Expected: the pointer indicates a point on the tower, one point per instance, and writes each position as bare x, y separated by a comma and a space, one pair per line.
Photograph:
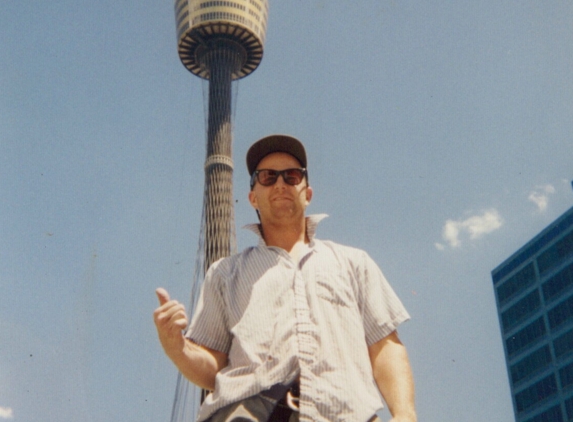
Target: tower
219, 41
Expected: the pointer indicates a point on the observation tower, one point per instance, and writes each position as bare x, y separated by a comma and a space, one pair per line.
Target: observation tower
219, 41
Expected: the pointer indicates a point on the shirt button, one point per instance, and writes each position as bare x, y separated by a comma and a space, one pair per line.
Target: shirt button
269, 358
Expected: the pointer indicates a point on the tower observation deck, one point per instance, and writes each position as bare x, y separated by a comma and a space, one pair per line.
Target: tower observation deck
203, 25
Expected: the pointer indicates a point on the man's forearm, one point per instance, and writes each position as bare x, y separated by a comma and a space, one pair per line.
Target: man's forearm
199, 364
393, 376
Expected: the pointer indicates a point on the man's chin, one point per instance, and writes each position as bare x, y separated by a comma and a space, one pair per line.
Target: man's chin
286, 212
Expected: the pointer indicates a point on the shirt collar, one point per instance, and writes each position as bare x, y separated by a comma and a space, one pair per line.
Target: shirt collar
311, 225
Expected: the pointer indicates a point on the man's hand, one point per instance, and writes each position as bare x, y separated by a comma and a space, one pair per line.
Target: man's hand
170, 320
197, 363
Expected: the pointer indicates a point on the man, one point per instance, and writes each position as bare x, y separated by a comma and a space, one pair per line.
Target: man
294, 328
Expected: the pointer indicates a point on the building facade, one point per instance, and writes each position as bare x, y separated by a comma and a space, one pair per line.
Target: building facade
534, 294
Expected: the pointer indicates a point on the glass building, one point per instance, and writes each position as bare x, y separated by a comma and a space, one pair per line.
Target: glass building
534, 294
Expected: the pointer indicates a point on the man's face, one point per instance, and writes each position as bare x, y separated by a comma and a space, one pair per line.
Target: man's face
280, 201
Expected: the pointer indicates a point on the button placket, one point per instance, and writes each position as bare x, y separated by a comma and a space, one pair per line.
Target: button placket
306, 336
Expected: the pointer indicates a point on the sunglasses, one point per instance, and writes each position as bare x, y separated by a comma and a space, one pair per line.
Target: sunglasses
268, 177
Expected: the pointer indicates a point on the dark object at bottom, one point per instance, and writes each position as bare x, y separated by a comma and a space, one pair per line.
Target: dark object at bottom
282, 413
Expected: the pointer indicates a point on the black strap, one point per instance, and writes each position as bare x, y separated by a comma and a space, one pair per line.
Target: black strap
276, 392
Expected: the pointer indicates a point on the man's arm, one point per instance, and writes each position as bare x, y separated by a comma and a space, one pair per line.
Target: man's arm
197, 363
393, 376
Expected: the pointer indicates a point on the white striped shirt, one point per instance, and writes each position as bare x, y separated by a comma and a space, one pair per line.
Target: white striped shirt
277, 319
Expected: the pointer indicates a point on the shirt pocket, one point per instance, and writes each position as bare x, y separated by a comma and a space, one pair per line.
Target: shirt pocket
335, 287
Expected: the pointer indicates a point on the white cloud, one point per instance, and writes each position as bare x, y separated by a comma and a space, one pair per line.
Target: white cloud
6, 413
474, 227
451, 232
540, 196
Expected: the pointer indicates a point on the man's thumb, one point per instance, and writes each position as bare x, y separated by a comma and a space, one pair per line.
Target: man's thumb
162, 295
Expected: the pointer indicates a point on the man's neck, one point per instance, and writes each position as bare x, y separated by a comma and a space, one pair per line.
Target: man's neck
287, 237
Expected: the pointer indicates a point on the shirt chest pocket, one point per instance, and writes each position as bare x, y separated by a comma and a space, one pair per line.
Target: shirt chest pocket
335, 287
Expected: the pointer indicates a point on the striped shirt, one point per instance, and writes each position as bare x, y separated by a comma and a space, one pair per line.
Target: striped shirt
278, 320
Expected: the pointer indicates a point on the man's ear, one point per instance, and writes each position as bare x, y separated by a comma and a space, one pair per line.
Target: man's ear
308, 194
253, 200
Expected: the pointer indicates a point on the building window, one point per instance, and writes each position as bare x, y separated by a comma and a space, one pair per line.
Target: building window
531, 364
208, 4
526, 337
563, 344
180, 5
552, 415
561, 313
539, 391
221, 16
516, 284
557, 284
182, 17
569, 408
566, 376
556, 254
521, 310
254, 3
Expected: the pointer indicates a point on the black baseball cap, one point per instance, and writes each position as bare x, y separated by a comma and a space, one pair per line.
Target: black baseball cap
275, 143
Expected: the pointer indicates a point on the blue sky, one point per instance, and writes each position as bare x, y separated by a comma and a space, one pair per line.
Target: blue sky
439, 137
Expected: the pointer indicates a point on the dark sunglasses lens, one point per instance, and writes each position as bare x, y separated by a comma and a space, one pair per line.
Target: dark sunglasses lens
267, 177
293, 176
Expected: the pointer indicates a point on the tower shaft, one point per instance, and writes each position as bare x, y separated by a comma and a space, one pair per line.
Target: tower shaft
221, 60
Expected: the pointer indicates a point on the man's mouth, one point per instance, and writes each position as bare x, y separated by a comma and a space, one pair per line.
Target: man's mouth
282, 198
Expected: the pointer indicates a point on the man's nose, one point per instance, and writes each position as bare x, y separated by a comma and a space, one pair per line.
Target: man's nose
281, 181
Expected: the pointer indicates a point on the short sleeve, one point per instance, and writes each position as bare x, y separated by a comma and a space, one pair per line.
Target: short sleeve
209, 325
381, 308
